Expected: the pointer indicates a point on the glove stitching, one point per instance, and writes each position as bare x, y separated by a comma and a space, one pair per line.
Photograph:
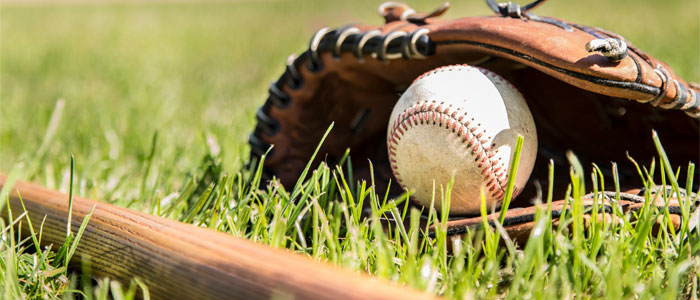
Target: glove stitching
294, 80
632, 86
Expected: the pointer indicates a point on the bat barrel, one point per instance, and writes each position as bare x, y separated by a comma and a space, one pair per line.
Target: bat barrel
183, 261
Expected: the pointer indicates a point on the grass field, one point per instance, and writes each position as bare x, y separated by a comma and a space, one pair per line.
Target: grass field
150, 98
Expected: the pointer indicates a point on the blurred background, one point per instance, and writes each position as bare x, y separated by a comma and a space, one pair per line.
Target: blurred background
194, 73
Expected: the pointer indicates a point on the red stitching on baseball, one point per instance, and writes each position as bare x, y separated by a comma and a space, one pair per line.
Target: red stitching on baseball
494, 174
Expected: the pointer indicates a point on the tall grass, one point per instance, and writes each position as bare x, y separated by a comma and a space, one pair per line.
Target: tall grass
350, 224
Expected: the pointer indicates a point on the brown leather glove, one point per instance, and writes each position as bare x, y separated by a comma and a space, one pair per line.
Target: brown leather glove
519, 222
589, 90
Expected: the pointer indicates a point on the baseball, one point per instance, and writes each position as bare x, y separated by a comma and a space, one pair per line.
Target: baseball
460, 121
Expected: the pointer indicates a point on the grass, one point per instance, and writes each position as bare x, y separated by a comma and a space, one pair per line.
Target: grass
157, 100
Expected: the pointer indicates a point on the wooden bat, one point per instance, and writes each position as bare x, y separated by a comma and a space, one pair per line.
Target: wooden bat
183, 261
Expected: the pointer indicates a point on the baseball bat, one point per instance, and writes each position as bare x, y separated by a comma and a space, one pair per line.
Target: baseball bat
182, 261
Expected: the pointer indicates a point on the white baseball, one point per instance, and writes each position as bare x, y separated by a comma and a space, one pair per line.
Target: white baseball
460, 121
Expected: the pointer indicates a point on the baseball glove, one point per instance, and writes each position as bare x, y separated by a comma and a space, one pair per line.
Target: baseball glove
589, 90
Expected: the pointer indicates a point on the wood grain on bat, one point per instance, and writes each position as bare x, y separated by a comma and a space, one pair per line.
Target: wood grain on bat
183, 261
